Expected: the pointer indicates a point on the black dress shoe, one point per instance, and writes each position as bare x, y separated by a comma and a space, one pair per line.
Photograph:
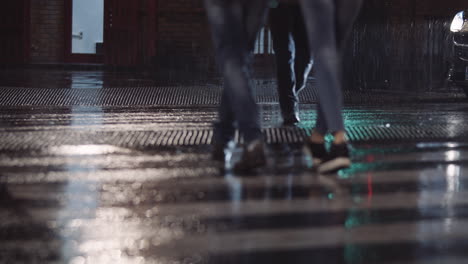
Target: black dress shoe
253, 157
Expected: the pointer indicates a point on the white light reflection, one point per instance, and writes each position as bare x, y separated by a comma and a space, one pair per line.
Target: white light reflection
452, 155
452, 176
452, 145
447, 203
438, 145
74, 206
235, 191
80, 199
70, 150
457, 22
89, 232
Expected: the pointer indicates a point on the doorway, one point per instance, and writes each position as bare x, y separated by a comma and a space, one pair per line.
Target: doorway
85, 31
113, 32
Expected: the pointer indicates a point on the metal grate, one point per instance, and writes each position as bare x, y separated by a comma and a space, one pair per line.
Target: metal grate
176, 96
191, 137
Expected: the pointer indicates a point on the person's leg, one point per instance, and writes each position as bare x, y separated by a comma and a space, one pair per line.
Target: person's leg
315, 145
253, 155
320, 130
319, 16
281, 25
303, 61
233, 28
346, 13
224, 129
318, 134
229, 32
254, 18
327, 161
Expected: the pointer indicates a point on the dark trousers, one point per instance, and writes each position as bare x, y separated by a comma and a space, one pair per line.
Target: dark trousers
234, 25
328, 23
293, 58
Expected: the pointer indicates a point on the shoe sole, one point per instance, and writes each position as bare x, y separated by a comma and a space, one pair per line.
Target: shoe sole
334, 165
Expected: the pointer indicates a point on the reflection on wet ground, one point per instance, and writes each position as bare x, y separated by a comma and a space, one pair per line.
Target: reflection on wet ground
88, 77
58, 78
134, 184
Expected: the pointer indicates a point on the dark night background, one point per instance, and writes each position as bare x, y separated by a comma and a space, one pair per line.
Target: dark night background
396, 44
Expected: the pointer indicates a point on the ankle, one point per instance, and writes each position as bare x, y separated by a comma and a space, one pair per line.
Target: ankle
317, 138
339, 138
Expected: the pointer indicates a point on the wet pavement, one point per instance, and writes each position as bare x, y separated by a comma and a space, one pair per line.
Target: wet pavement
121, 174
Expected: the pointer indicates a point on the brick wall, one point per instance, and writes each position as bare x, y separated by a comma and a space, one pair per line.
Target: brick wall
47, 31
184, 40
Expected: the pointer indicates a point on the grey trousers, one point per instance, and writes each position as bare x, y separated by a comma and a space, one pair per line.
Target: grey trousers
234, 25
328, 24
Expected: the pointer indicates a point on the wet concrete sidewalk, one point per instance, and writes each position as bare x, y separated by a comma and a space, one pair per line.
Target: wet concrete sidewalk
124, 176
